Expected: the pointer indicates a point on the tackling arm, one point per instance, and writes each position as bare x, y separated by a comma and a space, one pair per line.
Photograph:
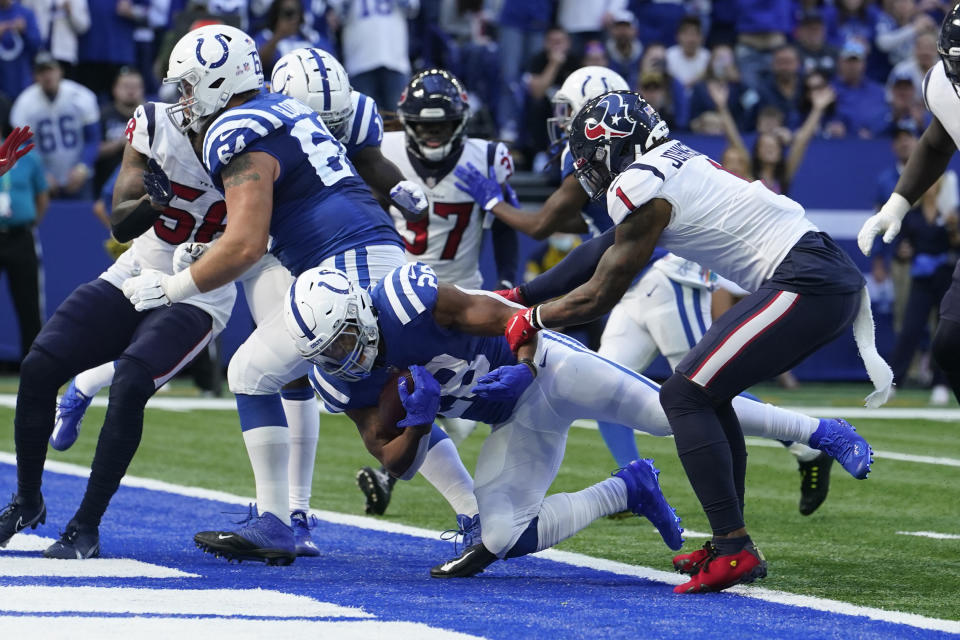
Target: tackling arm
132, 212
636, 238
248, 191
561, 212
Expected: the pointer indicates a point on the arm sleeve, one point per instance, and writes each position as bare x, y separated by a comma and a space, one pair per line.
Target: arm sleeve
506, 251
570, 272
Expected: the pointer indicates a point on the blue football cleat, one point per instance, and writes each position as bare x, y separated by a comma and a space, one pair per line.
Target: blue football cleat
76, 543
66, 426
840, 439
467, 533
302, 524
262, 538
645, 498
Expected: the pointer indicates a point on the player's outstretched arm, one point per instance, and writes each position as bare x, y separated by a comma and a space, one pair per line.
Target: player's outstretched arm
560, 213
636, 238
478, 313
569, 273
926, 164
386, 181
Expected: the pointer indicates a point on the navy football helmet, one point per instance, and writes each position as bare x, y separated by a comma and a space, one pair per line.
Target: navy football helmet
434, 97
948, 45
608, 133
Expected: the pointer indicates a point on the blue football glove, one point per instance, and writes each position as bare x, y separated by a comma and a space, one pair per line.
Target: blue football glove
157, 184
505, 383
409, 197
422, 404
484, 190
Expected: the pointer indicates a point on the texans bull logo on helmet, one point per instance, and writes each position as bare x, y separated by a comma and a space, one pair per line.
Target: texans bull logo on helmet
615, 122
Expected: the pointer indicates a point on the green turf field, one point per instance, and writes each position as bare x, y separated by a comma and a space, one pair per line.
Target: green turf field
849, 550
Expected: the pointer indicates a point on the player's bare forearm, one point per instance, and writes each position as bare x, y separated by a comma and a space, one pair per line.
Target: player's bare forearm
927, 162
377, 171
395, 448
636, 238
561, 212
132, 212
480, 314
248, 191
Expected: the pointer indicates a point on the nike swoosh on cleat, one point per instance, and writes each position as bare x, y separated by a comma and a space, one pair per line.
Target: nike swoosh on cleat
19, 525
450, 565
220, 536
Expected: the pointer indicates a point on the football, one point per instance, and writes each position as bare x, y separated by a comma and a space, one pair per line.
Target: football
391, 409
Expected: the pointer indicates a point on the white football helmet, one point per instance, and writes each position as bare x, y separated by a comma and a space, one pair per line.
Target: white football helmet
579, 87
331, 320
211, 65
317, 79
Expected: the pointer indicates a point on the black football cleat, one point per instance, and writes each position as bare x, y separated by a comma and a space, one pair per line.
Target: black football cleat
18, 515
76, 543
472, 561
377, 488
814, 482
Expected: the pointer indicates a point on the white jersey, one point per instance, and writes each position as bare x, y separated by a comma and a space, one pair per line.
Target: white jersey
739, 229
449, 238
196, 212
685, 272
57, 124
375, 34
942, 101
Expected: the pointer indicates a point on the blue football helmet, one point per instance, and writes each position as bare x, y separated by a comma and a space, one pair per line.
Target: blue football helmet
948, 45
434, 96
607, 135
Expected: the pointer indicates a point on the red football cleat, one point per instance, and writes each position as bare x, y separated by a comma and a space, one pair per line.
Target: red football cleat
690, 563
721, 572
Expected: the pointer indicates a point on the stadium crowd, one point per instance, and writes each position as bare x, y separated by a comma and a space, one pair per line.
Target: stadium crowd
780, 72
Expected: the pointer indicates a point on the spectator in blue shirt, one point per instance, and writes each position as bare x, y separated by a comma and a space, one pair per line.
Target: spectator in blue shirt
624, 50
861, 103
23, 201
108, 45
19, 43
284, 32
658, 20
856, 20
762, 27
522, 26
782, 88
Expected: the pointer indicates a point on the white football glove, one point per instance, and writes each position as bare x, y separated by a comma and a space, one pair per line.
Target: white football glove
410, 199
886, 221
186, 254
147, 290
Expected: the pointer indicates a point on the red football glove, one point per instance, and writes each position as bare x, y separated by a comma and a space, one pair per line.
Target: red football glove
520, 329
513, 295
10, 150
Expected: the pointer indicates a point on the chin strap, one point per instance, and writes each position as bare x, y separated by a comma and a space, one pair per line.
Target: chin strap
879, 371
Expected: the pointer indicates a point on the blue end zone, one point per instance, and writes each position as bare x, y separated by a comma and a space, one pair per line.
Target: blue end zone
387, 575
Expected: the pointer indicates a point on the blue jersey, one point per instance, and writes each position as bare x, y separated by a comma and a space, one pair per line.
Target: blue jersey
404, 301
321, 207
365, 127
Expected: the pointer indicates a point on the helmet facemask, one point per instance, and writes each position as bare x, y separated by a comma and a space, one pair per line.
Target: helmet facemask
351, 352
424, 144
187, 113
562, 116
594, 174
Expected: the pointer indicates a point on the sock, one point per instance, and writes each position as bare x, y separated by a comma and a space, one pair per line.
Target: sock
803, 452
92, 380
443, 469
738, 448
730, 546
563, 514
768, 421
621, 441
267, 439
303, 417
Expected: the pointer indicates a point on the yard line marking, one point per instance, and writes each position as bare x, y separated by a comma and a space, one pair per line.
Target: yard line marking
576, 559
31, 567
161, 628
930, 534
260, 603
28, 542
9, 400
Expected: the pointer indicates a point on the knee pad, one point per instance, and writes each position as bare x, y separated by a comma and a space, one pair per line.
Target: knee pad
132, 380
946, 345
677, 393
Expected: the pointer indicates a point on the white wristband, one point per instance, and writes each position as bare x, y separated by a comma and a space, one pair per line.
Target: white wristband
180, 286
897, 205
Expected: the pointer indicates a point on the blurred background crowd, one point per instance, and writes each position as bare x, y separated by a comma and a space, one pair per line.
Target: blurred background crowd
776, 73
